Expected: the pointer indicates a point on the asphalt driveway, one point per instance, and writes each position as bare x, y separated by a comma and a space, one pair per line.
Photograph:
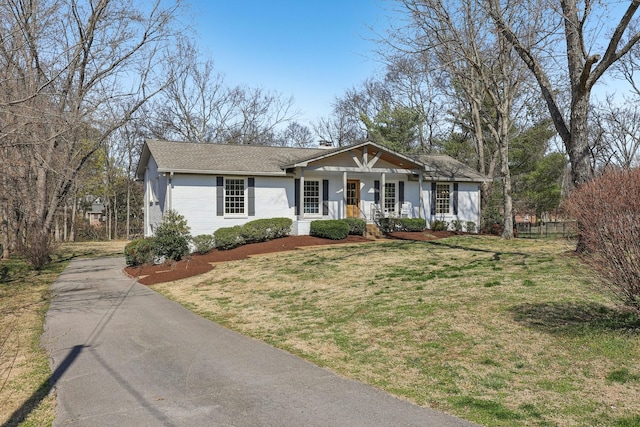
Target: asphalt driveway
124, 355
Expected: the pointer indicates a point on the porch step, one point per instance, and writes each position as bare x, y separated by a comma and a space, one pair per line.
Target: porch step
373, 232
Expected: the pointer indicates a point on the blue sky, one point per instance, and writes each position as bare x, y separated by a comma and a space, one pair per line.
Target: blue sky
312, 50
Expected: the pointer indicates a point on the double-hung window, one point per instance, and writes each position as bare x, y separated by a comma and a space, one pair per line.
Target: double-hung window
443, 199
235, 200
311, 197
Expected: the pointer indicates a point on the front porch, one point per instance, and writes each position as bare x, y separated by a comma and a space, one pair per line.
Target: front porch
364, 182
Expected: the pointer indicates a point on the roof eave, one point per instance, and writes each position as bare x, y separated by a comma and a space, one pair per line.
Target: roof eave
222, 172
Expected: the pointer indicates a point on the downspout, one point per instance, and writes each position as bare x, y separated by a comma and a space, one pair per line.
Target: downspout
169, 185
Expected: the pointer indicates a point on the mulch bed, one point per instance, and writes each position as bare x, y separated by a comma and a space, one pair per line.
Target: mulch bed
198, 264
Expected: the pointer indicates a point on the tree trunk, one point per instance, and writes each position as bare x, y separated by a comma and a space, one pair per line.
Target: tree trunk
578, 146
505, 172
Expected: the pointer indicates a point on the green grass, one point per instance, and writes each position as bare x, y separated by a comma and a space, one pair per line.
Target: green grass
503, 333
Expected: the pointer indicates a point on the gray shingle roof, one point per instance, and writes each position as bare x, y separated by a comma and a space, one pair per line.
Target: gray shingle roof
441, 167
221, 158
187, 157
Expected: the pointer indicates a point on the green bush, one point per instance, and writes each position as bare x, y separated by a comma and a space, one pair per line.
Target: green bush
139, 251
456, 224
334, 229
438, 225
260, 230
412, 224
470, 227
172, 237
280, 227
229, 237
204, 243
357, 226
388, 225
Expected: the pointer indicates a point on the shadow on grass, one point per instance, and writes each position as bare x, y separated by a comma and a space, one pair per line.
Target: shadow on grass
496, 254
21, 414
574, 318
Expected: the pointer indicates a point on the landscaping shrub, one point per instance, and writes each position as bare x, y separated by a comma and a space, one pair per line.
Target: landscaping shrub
172, 237
203, 243
388, 225
412, 224
260, 230
334, 229
280, 227
229, 237
607, 213
438, 225
139, 251
470, 227
456, 224
38, 248
357, 226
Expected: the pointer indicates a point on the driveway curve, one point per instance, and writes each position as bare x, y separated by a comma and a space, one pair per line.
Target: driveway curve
124, 355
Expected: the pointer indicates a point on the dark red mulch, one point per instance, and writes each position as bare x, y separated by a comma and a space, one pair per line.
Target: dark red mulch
198, 264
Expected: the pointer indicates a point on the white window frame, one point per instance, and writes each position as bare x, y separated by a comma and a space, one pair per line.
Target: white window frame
387, 200
309, 200
440, 200
245, 196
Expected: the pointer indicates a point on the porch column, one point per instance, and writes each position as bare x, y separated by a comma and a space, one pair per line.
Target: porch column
344, 194
301, 217
382, 192
421, 196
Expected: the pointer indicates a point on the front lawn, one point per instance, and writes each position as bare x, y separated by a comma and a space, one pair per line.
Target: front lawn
503, 333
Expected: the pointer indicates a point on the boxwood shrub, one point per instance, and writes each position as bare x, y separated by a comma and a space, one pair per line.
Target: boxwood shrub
413, 224
260, 230
229, 237
334, 229
203, 243
388, 225
439, 225
357, 226
139, 251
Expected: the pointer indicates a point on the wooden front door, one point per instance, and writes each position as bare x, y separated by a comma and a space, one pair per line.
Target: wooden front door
353, 198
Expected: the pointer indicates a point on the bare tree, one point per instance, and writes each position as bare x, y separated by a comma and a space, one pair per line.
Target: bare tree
414, 81
344, 126
197, 105
573, 24
618, 128
481, 67
296, 135
66, 63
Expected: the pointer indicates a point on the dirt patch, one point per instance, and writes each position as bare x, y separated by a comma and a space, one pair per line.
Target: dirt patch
198, 264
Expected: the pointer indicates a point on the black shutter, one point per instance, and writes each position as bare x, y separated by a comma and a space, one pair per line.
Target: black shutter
455, 198
433, 198
401, 193
252, 196
325, 197
219, 196
376, 192
296, 195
